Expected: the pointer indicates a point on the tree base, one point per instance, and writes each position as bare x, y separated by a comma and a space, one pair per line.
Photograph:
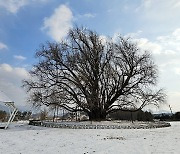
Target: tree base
97, 116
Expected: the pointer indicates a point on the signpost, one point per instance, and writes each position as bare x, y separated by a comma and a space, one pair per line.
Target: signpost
10, 105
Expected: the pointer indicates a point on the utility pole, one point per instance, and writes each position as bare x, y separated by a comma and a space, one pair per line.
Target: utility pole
170, 110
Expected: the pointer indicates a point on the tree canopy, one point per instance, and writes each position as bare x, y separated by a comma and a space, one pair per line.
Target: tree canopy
86, 73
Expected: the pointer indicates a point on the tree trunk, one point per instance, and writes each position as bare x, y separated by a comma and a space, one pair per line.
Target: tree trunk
97, 115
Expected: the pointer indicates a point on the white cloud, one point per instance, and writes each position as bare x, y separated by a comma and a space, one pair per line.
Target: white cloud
162, 45
13, 6
8, 72
134, 35
89, 15
19, 57
3, 46
177, 70
153, 47
174, 62
43, 1
11, 81
59, 23
176, 34
171, 41
5, 68
159, 10
177, 5
169, 52
144, 43
149, 4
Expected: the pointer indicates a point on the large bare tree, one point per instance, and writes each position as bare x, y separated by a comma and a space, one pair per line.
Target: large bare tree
86, 73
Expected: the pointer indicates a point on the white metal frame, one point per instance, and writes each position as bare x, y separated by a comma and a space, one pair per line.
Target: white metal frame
12, 110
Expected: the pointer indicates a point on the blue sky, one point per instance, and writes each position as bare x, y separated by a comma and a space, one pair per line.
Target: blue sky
25, 24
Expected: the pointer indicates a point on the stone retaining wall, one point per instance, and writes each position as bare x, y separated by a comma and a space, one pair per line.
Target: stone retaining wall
91, 126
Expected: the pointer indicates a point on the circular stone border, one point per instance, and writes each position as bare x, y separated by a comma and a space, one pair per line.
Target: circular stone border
71, 125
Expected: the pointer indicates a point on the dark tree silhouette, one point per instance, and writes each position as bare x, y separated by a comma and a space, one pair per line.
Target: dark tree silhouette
85, 73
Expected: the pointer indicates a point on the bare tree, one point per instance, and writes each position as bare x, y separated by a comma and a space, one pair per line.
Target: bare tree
85, 73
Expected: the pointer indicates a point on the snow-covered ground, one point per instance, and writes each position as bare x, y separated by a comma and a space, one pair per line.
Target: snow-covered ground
21, 138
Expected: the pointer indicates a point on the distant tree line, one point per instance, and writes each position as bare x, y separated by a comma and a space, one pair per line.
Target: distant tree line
24, 115
176, 116
168, 117
128, 115
144, 116
3, 115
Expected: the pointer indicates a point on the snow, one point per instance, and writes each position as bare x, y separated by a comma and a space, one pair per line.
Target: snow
25, 139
